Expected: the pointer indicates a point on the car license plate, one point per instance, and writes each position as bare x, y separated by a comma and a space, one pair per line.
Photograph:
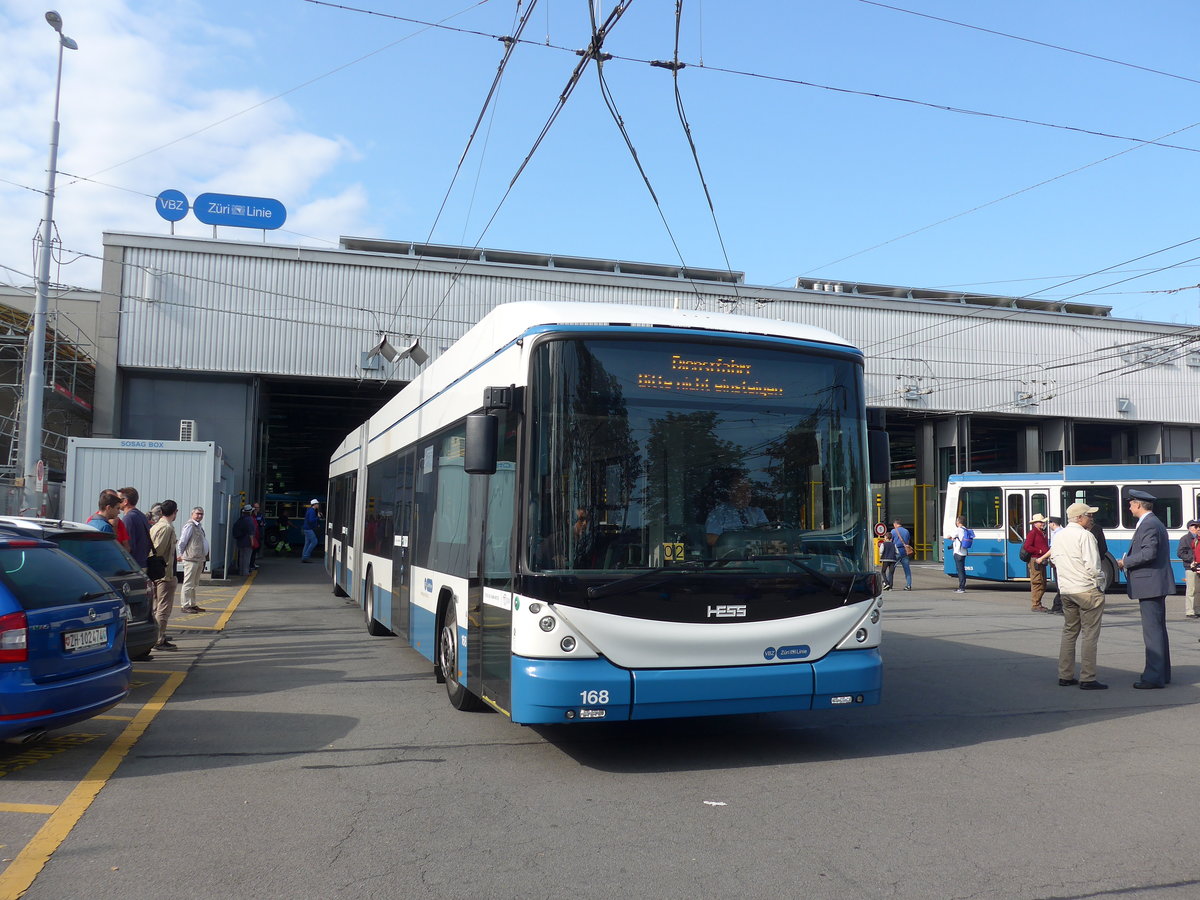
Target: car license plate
81, 640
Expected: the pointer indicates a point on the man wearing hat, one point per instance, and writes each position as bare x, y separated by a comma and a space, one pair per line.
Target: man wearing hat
1077, 564
1147, 567
1188, 545
1037, 546
312, 524
245, 533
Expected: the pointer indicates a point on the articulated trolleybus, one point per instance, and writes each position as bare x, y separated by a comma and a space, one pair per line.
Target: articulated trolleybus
998, 507
585, 511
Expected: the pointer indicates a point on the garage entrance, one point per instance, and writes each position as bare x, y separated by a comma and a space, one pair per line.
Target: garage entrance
301, 422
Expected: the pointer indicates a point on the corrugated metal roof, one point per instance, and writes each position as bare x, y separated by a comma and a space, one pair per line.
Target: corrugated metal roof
225, 306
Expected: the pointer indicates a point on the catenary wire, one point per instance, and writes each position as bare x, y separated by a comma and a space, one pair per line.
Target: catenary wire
510, 44
585, 56
675, 66
1016, 37
282, 94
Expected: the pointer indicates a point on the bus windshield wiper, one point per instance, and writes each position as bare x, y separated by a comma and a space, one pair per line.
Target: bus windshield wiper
648, 578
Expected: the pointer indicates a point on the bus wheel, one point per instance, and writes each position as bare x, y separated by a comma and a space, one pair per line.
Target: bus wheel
374, 629
460, 697
1110, 576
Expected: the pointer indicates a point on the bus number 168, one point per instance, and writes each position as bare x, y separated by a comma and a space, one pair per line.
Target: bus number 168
591, 698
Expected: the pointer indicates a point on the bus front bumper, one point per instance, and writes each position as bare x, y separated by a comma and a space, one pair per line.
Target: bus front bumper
558, 691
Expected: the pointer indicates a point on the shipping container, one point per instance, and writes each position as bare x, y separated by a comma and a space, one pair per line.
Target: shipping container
192, 473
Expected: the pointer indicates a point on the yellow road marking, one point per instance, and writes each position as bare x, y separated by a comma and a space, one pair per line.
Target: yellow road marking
43, 808
156, 671
236, 601
17, 878
114, 718
223, 618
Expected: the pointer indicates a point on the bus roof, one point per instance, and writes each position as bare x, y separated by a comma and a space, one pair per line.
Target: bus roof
510, 320
1124, 472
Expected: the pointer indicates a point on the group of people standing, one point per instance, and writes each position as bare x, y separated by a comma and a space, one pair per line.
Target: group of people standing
1075, 555
152, 542
1075, 551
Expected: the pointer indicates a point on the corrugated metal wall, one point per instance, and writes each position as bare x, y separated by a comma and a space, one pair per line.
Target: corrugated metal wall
234, 307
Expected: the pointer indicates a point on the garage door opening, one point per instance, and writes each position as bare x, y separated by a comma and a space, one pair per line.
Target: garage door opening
301, 423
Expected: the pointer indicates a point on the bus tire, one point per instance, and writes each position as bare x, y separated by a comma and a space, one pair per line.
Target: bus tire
1110, 575
374, 629
460, 697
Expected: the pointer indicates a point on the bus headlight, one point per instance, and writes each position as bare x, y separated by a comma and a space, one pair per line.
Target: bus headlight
875, 616
567, 644
547, 623
860, 635
535, 608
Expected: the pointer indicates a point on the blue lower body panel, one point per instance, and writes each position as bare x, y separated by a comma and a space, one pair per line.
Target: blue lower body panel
848, 678
422, 631
558, 691
544, 691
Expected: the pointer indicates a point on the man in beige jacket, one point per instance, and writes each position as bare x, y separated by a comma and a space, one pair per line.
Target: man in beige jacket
162, 545
1076, 559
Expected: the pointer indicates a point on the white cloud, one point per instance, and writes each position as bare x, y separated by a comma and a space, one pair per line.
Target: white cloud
124, 93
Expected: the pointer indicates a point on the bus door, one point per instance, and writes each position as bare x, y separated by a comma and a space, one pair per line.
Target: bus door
401, 551
346, 502
496, 570
1020, 505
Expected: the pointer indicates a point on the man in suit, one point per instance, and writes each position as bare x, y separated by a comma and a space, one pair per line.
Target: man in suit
1147, 568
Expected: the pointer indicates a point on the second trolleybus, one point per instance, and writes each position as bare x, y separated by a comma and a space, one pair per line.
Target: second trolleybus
586, 511
999, 508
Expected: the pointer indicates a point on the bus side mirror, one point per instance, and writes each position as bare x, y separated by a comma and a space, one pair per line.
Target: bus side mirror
879, 456
482, 433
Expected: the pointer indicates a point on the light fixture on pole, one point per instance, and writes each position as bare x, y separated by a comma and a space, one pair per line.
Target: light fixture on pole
35, 378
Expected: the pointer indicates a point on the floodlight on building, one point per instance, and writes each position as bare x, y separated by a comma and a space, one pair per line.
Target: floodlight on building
385, 349
415, 352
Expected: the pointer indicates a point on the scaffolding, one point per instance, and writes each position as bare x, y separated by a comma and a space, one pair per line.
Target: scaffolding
70, 374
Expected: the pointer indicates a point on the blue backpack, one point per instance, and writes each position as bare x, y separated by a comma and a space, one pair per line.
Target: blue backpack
968, 538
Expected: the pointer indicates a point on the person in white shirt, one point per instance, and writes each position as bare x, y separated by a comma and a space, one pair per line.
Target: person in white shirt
192, 551
960, 555
1076, 560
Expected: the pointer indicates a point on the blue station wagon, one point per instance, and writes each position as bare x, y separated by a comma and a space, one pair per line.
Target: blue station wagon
62, 640
100, 551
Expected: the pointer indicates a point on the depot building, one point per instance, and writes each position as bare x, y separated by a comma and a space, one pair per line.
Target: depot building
271, 351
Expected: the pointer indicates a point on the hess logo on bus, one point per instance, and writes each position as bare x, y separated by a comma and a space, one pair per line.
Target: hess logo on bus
727, 612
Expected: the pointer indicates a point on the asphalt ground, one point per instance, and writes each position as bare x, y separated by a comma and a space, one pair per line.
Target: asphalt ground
290, 755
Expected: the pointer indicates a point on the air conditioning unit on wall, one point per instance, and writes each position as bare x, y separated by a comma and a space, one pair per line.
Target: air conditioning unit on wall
187, 429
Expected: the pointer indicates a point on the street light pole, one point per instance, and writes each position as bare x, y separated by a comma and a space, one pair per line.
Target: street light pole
35, 378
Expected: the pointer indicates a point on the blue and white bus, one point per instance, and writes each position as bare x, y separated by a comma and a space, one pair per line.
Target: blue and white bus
998, 507
586, 511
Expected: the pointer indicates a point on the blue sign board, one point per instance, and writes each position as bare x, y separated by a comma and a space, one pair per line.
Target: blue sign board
171, 205
240, 212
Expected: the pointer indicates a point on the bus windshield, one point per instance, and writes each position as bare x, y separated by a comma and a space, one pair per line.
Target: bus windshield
668, 454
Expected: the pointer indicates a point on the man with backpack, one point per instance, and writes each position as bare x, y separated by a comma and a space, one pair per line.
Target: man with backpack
902, 539
963, 538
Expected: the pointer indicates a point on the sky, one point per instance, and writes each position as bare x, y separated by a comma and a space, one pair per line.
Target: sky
1011, 148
